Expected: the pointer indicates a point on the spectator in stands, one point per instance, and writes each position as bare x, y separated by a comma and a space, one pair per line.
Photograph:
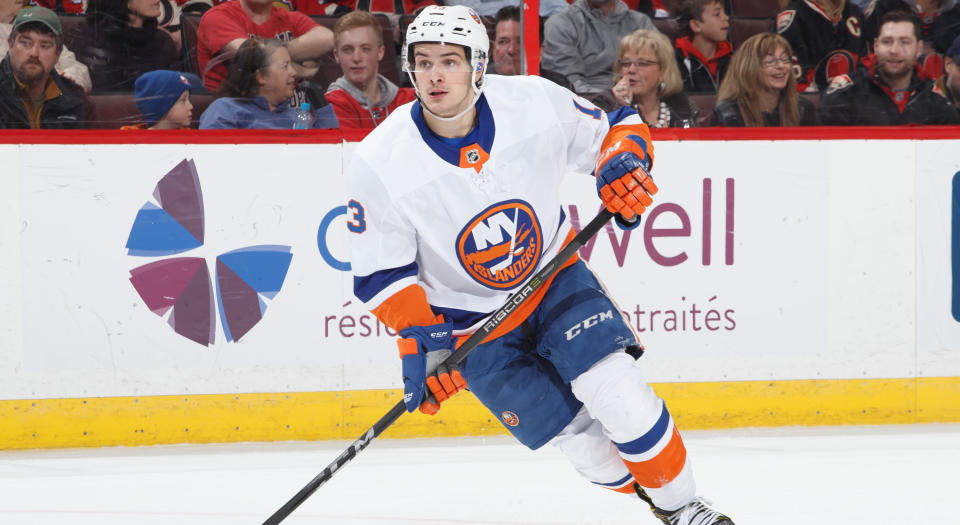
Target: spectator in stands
163, 98
32, 94
256, 93
228, 25
826, 37
648, 80
362, 97
391, 8
67, 66
581, 41
703, 52
888, 90
939, 20
70, 7
121, 41
760, 89
492, 7
949, 83
507, 51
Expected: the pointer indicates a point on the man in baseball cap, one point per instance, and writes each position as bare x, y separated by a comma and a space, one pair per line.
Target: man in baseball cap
32, 93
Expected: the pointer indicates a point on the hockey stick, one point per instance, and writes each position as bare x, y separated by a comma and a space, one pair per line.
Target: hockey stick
493, 321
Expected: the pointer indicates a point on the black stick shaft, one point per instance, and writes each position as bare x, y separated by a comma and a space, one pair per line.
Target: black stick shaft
495, 320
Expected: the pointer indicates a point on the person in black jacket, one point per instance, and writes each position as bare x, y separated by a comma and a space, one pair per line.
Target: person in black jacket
889, 89
121, 41
702, 51
760, 88
32, 94
939, 20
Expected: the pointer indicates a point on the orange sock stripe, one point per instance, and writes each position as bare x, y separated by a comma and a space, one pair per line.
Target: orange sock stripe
626, 489
662, 468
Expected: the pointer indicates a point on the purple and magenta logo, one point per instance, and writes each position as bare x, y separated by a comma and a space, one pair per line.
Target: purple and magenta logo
180, 287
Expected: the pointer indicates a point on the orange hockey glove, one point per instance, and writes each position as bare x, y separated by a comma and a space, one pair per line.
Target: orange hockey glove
623, 180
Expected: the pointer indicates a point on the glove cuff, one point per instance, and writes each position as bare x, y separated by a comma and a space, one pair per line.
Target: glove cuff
625, 224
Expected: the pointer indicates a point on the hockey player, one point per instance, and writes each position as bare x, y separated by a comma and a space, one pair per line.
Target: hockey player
453, 203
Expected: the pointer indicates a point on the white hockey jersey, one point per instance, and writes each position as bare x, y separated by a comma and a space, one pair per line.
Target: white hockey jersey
469, 219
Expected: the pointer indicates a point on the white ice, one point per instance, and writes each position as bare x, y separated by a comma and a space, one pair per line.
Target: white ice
828, 475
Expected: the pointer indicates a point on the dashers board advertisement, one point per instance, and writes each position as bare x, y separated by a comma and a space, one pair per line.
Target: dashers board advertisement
221, 268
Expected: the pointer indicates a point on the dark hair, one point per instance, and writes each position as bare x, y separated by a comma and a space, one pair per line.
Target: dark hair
900, 15
112, 15
241, 81
687, 10
512, 12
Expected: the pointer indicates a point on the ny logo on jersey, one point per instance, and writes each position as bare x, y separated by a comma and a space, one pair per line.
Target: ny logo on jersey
501, 246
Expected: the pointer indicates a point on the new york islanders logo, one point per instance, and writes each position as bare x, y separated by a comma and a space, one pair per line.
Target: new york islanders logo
501, 245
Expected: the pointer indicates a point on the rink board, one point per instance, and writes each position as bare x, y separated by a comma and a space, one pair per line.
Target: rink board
775, 282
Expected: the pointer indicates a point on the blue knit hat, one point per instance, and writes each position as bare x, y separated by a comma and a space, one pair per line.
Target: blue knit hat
157, 91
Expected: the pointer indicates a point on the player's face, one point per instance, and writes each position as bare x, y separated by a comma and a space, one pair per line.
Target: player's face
358, 51
277, 79
714, 23
144, 8
33, 55
897, 49
641, 69
443, 78
181, 114
775, 69
506, 48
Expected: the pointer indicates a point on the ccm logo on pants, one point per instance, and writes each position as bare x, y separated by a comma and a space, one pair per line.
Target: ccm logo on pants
587, 323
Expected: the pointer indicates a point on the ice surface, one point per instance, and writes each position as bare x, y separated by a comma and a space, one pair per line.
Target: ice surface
828, 475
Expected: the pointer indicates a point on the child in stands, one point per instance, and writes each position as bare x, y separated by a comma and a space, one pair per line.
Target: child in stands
163, 97
703, 51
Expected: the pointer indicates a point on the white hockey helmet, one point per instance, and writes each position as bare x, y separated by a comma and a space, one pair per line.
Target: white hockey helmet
454, 24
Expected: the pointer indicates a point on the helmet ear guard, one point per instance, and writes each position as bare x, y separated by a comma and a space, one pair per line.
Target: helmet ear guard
454, 24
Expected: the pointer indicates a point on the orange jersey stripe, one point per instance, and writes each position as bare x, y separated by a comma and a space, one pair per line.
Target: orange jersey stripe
662, 468
408, 307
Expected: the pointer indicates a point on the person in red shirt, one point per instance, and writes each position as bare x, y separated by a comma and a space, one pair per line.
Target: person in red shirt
362, 97
338, 7
227, 25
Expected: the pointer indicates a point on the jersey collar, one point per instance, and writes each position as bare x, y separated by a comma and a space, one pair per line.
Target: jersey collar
451, 150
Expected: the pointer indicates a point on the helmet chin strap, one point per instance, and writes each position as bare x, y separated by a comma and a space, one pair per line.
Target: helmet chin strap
476, 96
